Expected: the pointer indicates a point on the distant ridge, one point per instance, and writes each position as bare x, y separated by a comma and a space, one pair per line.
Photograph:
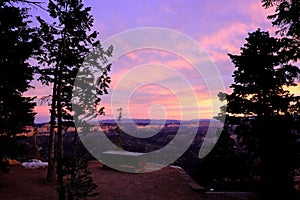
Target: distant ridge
156, 121
145, 121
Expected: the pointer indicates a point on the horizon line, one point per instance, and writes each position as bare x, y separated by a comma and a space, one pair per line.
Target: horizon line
40, 122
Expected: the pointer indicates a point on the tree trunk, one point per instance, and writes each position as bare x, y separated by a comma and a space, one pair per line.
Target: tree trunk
60, 173
51, 163
35, 144
73, 163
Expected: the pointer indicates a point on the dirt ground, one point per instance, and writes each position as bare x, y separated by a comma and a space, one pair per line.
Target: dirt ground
21, 183
168, 183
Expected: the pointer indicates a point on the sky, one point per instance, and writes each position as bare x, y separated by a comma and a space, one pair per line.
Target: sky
157, 83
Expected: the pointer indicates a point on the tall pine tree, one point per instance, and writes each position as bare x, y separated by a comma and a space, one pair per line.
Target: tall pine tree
67, 43
262, 72
19, 42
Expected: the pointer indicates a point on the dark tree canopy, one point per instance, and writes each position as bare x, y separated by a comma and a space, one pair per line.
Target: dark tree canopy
287, 19
19, 42
286, 16
260, 76
263, 71
262, 107
67, 42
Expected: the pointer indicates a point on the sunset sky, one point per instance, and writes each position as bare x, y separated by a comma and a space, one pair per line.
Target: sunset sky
219, 26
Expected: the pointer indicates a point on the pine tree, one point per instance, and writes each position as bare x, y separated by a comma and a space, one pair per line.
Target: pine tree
287, 19
80, 184
19, 42
260, 77
262, 71
67, 44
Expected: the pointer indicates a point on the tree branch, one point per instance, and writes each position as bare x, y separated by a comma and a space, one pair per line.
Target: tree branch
32, 3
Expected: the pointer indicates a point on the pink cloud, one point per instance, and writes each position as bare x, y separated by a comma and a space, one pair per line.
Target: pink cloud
225, 40
259, 16
142, 100
229, 39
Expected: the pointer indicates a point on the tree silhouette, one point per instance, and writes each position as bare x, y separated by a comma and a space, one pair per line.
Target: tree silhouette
221, 165
286, 16
287, 19
260, 77
68, 42
19, 42
262, 72
118, 130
